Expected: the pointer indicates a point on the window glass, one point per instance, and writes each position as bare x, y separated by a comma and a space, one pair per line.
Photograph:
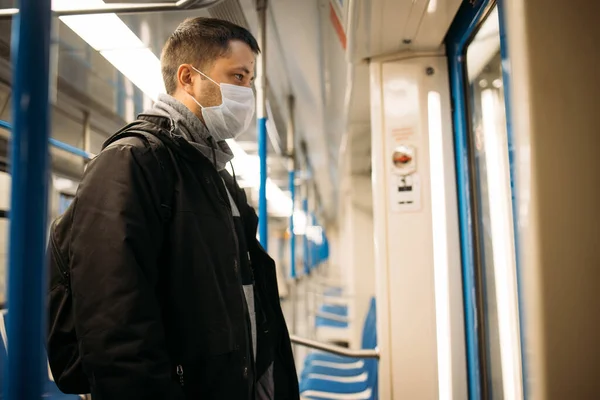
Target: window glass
64, 202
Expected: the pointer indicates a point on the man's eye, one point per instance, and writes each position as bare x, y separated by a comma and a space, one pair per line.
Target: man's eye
239, 77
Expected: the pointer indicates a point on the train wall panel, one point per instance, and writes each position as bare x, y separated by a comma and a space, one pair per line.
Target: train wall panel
553, 51
417, 258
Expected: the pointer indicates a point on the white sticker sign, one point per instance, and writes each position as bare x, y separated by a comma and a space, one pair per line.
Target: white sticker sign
405, 193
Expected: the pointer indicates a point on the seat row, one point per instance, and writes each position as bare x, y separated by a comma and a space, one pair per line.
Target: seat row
331, 377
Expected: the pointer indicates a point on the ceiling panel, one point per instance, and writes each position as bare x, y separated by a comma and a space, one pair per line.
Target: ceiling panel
396, 25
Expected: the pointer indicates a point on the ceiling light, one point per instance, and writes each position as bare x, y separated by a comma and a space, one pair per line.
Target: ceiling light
432, 6
112, 38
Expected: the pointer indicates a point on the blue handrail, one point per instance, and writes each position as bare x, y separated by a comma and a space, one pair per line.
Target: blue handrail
70, 149
305, 246
5, 125
58, 144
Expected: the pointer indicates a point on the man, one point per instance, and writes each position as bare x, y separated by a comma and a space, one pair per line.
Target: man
174, 298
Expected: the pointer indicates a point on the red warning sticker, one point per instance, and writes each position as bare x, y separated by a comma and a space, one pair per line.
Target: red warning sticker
337, 25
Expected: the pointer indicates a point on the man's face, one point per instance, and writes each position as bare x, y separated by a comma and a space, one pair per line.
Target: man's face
235, 68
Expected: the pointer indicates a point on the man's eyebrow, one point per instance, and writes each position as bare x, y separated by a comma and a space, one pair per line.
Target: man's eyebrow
242, 68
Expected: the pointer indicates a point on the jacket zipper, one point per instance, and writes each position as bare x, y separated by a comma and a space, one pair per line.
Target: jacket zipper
237, 246
227, 205
251, 268
180, 375
230, 219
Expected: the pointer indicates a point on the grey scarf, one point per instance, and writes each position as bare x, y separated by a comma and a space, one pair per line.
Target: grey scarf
188, 125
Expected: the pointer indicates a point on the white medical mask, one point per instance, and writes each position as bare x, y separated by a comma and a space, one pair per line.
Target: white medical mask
234, 115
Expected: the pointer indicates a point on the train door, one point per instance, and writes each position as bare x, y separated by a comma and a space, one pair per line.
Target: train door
478, 63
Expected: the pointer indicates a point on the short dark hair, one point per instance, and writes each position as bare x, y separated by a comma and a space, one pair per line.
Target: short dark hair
200, 41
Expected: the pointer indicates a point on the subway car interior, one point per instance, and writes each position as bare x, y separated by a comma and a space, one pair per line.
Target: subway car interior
425, 172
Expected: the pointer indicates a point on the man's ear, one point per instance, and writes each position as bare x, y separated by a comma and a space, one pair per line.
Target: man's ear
185, 77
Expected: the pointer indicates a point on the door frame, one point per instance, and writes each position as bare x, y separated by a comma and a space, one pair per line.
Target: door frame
470, 16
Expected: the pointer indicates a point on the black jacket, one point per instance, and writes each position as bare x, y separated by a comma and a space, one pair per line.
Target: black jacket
159, 306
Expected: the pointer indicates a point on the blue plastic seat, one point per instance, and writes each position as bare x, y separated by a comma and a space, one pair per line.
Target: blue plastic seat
335, 309
329, 376
330, 323
369, 340
323, 369
330, 358
51, 391
362, 386
326, 384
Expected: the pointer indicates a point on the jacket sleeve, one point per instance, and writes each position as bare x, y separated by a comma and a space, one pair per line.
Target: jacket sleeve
117, 232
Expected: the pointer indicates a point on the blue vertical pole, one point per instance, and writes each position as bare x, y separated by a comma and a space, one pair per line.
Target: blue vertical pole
305, 238
29, 196
292, 177
261, 108
291, 142
262, 193
313, 245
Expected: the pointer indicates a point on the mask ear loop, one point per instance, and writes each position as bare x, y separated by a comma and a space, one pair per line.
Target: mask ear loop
196, 101
206, 76
193, 98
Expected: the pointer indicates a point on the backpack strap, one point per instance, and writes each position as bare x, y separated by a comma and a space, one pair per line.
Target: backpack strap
165, 157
